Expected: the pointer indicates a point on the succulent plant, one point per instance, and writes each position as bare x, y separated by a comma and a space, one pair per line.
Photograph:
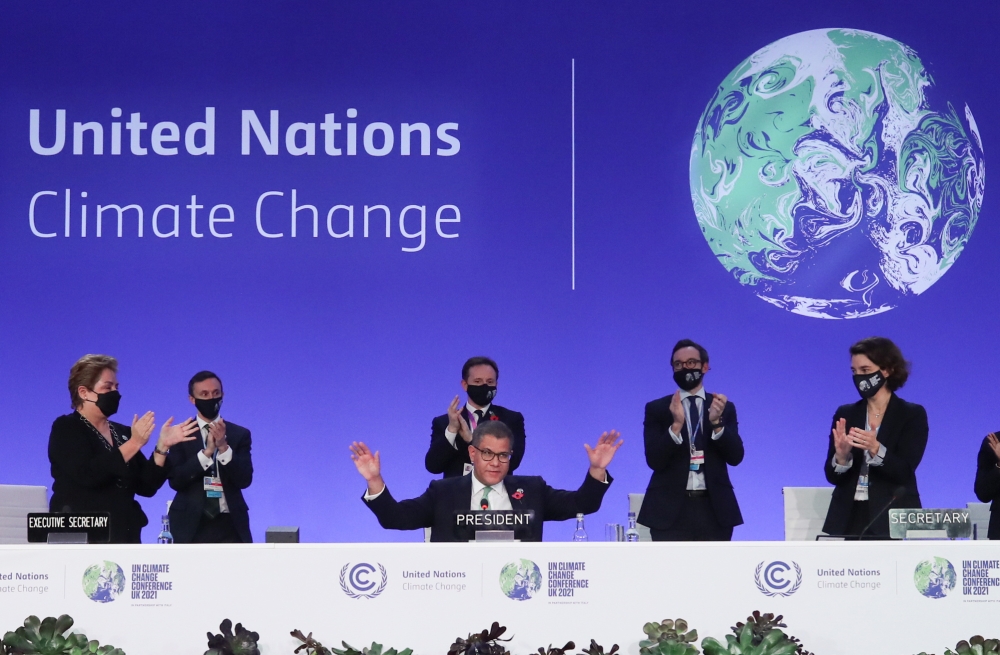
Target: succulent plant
481, 643
597, 649
46, 637
761, 624
772, 642
374, 649
556, 651
309, 645
243, 642
975, 646
668, 637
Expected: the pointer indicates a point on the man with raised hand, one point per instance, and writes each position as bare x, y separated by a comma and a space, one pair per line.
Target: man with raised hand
489, 487
451, 433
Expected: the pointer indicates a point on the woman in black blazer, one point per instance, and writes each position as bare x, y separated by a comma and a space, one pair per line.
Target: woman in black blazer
876, 445
988, 480
98, 465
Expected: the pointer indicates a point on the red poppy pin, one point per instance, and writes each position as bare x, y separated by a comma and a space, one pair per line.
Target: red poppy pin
518, 495
494, 417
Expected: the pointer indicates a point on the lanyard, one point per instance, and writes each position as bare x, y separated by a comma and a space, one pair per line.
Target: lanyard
693, 430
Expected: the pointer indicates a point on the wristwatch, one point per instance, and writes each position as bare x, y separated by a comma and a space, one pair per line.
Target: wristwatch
161, 452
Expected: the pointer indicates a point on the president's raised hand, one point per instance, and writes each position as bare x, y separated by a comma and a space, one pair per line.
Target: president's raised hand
369, 465
602, 453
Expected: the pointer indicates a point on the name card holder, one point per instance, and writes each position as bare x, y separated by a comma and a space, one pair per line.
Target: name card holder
930, 524
495, 535
69, 528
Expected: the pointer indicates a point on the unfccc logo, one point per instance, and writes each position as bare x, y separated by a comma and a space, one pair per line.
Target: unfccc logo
361, 581
775, 579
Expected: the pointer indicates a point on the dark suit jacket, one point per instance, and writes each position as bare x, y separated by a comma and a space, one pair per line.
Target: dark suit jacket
671, 463
988, 486
87, 477
187, 479
904, 434
442, 457
436, 507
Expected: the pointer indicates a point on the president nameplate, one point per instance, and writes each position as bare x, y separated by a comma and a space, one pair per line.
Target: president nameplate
929, 524
494, 519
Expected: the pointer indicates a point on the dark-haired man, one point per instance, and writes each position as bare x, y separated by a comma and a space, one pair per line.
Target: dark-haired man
691, 438
209, 474
451, 433
489, 487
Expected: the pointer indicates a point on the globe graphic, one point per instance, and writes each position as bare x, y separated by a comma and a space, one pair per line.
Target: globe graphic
935, 577
520, 579
103, 582
830, 179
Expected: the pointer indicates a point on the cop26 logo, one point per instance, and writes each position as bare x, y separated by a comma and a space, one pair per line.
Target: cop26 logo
775, 579
359, 582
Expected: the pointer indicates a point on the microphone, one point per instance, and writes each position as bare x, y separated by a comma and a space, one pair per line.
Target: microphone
484, 504
897, 493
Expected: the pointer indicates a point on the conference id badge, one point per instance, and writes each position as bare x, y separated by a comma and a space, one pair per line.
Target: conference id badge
697, 459
213, 487
466, 469
863, 483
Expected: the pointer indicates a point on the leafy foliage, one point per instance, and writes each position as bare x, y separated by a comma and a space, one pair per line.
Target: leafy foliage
975, 646
668, 637
309, 645
243, 642
313, 647
761, 624
597, 649
557, 651
772, 642
482, 643
47, 637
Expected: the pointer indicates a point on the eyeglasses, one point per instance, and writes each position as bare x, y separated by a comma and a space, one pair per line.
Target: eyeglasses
488, 455
689, 363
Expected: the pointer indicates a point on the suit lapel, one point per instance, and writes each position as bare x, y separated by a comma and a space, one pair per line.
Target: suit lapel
891, 423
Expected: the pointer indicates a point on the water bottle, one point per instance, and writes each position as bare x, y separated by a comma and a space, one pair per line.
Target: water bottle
165, 536
579, 534
632, 533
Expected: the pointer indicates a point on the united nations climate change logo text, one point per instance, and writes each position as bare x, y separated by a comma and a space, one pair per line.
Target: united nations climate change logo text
361, 580
776, 578
831, 178
935, 577
104, 582
520, 579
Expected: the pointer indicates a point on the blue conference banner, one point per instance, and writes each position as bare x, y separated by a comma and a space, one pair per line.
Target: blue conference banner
333, 205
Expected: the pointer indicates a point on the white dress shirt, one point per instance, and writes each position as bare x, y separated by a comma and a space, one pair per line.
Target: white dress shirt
696, 479
221, 458
450, 436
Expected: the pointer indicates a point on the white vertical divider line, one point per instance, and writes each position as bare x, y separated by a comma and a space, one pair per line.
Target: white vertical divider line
573, 166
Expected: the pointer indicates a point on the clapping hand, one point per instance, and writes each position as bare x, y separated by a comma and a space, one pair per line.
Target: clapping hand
171, 435
603, 452
991, 438
217, 435
865, 440
842, 444
677, 411
715, 409
142, 427
457, 423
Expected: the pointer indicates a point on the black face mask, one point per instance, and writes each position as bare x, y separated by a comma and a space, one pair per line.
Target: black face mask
688, 378
108, 402
482, 394
209, 407
868, 384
